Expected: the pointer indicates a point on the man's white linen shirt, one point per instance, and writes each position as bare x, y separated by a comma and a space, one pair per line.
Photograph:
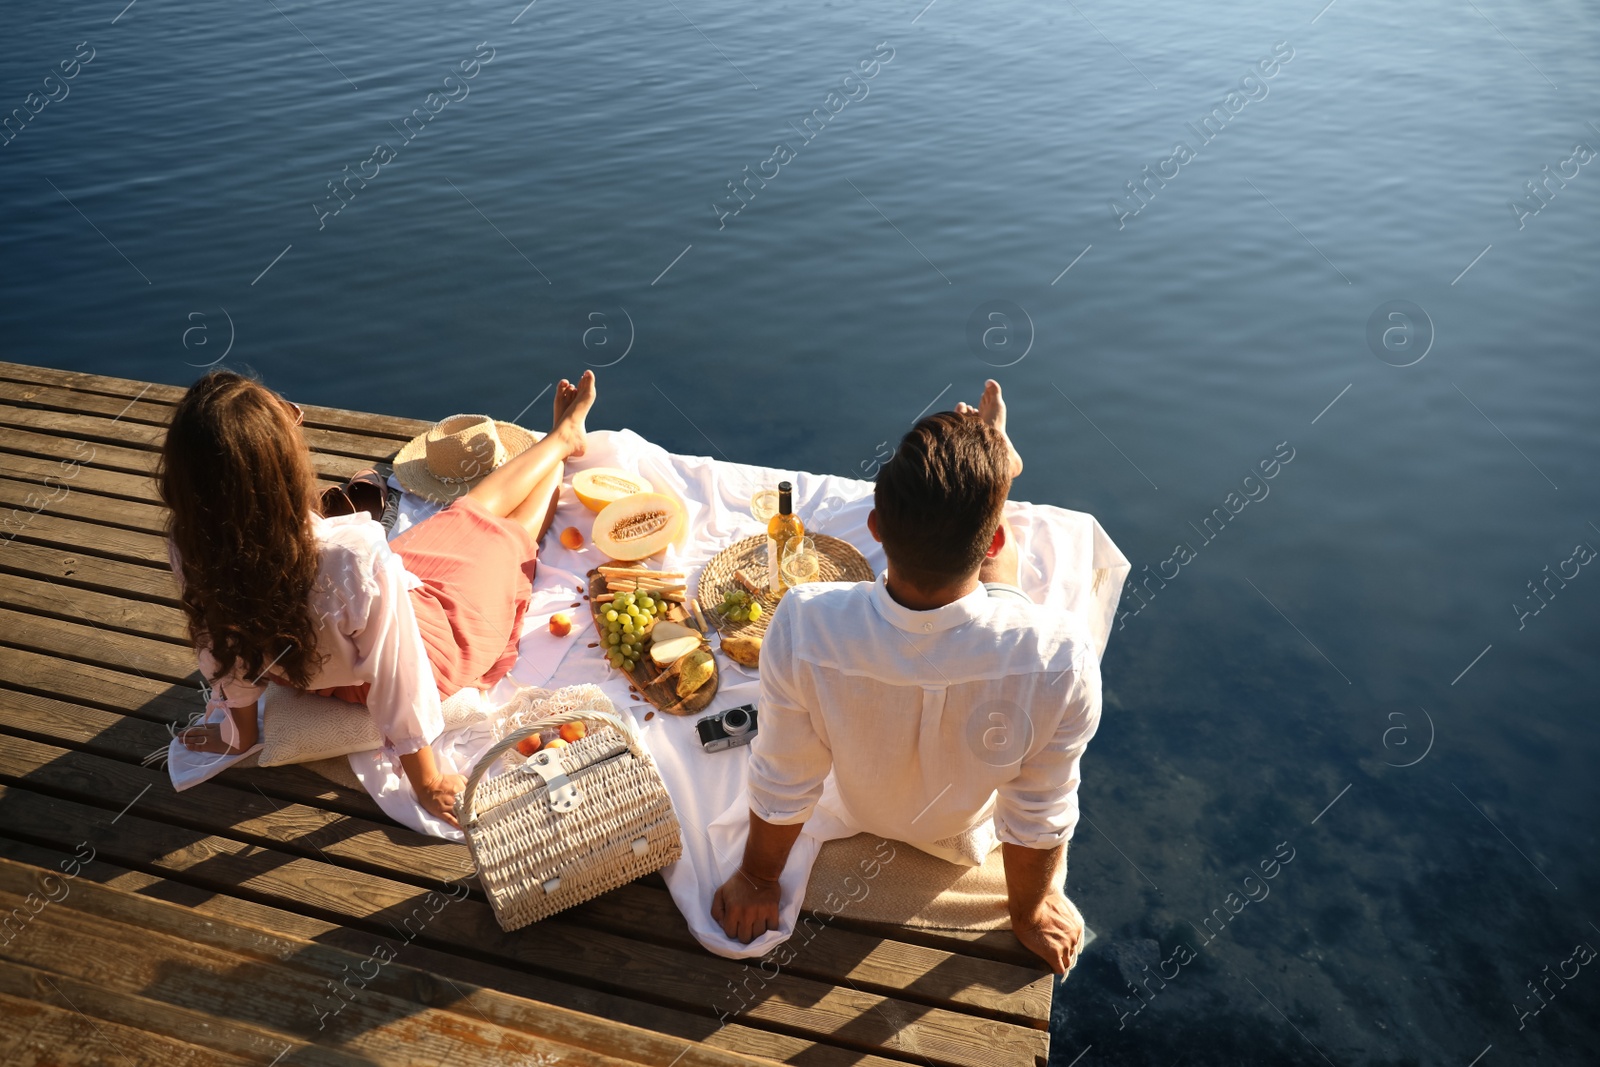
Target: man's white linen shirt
925, 717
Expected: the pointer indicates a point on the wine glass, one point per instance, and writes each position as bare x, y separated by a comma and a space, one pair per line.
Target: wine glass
800, 563
764, 505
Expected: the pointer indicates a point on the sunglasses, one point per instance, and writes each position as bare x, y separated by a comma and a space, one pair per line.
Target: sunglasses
299, 413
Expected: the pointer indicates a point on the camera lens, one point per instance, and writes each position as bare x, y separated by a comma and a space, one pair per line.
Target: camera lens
736, 721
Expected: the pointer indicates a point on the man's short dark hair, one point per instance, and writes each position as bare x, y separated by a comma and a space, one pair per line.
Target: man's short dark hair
941, 496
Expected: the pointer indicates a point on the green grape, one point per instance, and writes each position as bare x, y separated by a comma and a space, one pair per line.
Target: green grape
754, 612
611, 615
647, 603
633, 611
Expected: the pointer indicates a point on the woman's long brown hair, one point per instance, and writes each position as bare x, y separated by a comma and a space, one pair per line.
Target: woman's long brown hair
237, 479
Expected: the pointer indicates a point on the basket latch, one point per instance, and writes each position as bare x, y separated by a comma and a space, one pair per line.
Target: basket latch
561, 790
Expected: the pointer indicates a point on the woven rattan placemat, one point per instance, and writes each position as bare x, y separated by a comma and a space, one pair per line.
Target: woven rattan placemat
840, 562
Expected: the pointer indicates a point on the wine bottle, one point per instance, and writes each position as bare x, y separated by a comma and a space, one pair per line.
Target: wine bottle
781, 528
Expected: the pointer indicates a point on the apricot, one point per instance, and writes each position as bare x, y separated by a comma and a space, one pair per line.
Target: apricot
573, 731
561, 624
572, 538
557, 743
528, 745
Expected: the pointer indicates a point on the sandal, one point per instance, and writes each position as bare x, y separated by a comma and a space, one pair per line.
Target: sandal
366, 491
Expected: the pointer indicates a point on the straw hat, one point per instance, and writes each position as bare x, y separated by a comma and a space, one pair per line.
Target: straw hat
447, 461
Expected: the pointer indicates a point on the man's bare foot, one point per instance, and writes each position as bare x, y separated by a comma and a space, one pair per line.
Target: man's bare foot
992, 409
572, 404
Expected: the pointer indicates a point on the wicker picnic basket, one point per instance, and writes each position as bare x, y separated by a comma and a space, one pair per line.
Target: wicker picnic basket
568, 824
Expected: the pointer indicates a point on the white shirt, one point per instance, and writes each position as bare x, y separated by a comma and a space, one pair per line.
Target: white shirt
929, 720
366, 629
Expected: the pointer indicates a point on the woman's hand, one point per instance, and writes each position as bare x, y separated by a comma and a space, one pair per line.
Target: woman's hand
440, 795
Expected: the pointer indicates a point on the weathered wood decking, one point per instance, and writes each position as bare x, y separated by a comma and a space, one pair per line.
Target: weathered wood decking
213, 926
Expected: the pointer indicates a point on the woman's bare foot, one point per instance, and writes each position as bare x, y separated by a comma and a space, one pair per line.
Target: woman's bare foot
571, 408
207, 737
992, 409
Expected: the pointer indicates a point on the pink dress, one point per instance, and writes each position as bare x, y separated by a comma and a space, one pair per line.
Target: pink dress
438, 610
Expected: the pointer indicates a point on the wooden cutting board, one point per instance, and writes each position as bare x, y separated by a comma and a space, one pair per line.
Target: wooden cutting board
657, 685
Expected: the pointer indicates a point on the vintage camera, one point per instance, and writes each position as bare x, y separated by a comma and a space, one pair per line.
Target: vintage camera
736, 726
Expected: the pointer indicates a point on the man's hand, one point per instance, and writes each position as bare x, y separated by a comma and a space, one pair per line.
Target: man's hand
1051, 930
746, 907
1043, 919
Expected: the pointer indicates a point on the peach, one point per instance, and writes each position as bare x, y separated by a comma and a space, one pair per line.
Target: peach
561, 624
573, 731
528, 745
572, 538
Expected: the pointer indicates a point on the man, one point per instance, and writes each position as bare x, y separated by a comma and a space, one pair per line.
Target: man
941, 699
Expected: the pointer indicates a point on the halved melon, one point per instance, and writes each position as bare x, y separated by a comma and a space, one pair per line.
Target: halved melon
600, 486
637, 526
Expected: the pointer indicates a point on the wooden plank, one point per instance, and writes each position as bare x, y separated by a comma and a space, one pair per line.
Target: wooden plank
912, 972
600, 959
133, 740
78, 477
67, 567
104, 443
150, 658
275, 996
73, 451
242, 814
62, 499
141, 413
98, 687
822, 951
79, 427
87, 538
235, 1042
1014, 990
155, 392
876, 965
233, 922
401, 429
61, 398
1001, 946
926, 974
93, 608
42, 1035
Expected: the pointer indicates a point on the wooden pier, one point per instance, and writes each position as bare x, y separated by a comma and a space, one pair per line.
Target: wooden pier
272, 917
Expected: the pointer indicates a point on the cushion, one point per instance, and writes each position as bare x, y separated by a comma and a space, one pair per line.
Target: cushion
872, 879
301, 727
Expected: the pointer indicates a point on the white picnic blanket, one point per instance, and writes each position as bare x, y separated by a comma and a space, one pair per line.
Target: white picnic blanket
1067, 561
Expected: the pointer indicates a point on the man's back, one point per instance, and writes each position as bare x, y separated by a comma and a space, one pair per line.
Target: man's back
925, 715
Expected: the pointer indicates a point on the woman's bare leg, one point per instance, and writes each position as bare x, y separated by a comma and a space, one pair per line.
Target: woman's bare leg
538, 511
508, 487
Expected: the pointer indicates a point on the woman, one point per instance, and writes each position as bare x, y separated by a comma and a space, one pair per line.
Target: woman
275, 591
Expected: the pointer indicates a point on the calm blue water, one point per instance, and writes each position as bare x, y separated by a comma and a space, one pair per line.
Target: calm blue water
1312, 646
